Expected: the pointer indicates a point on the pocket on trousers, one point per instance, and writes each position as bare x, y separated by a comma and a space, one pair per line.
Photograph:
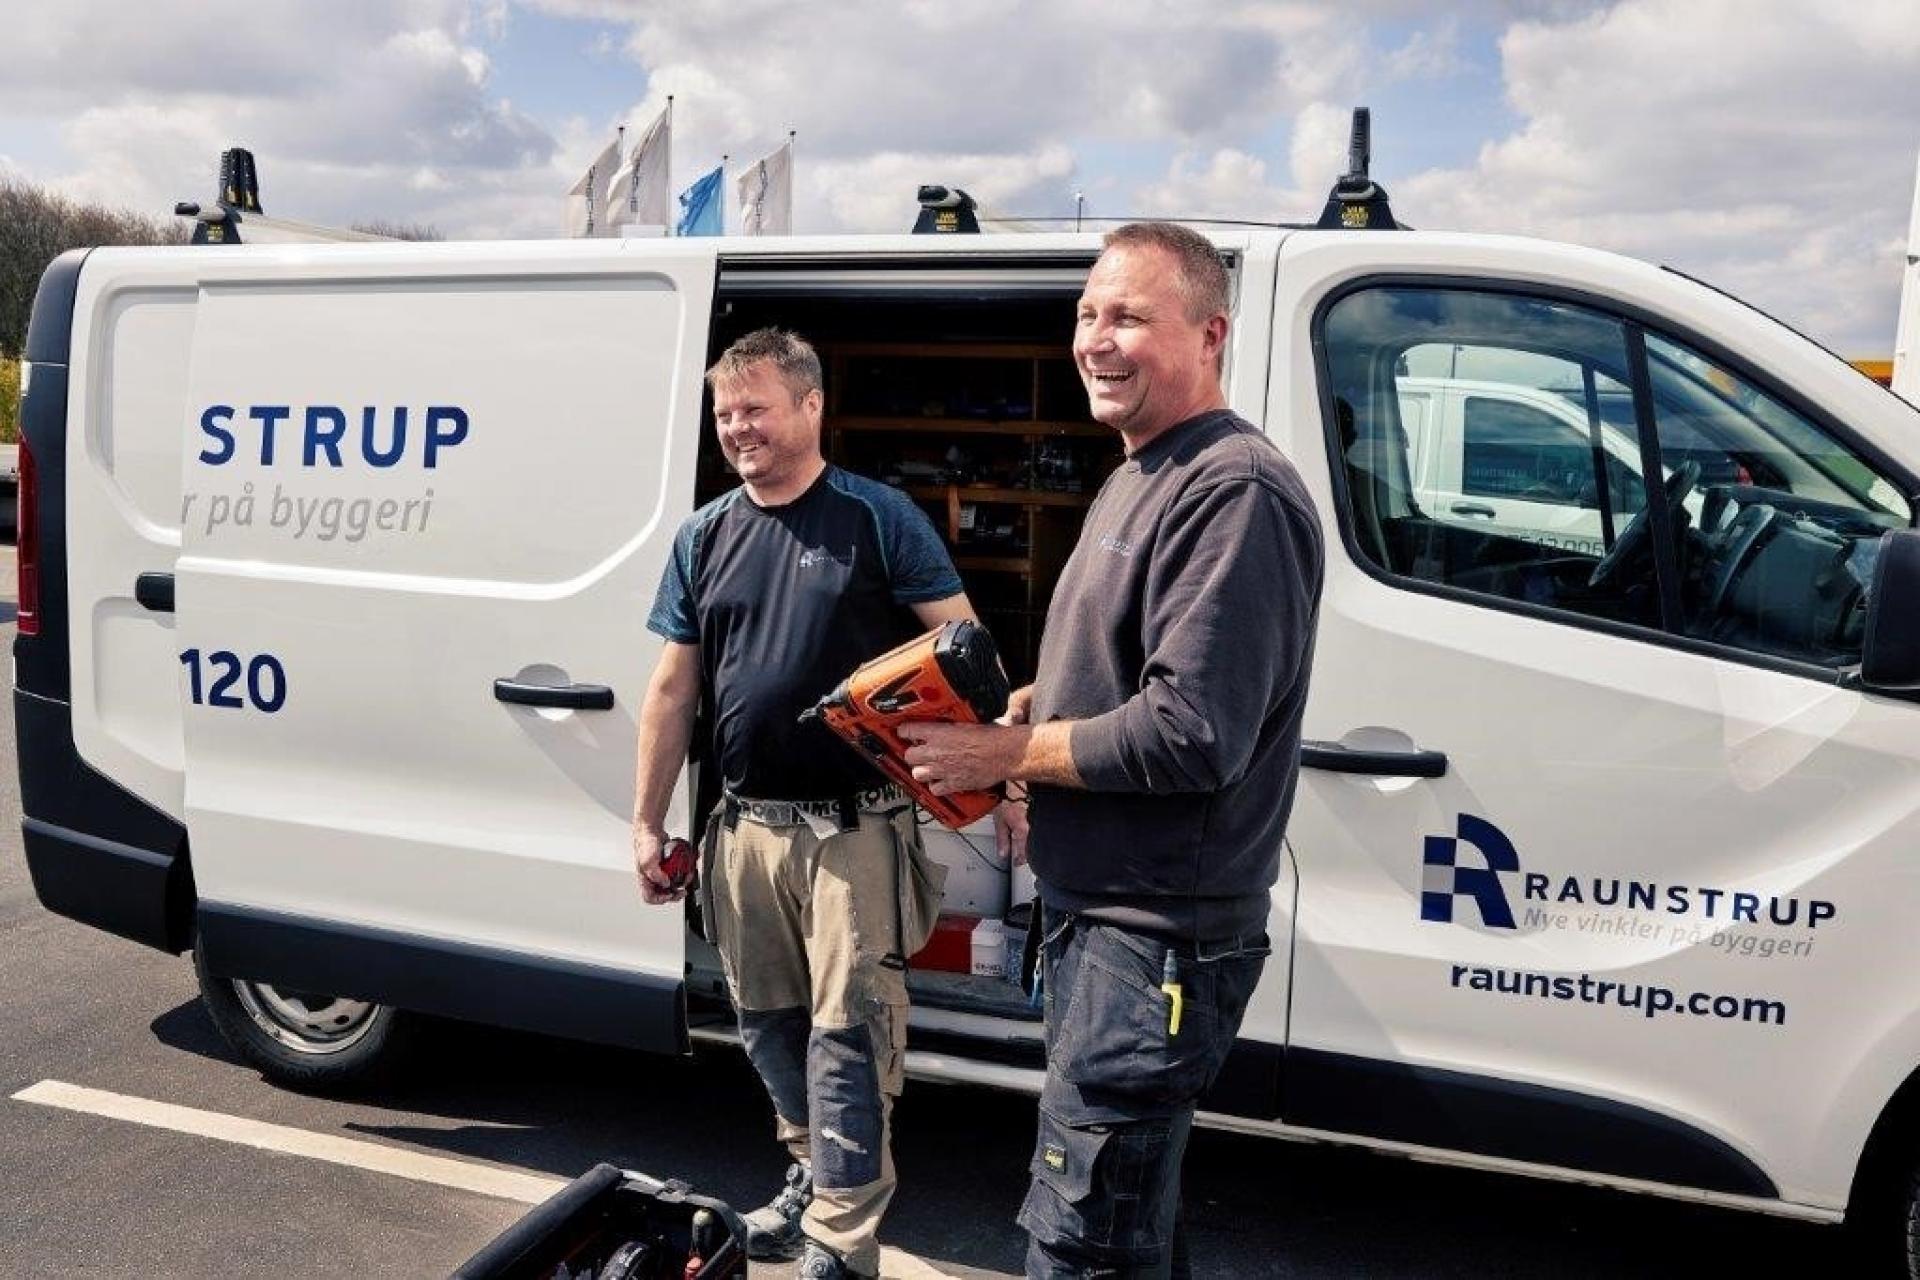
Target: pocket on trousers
1092, 1184
708, 888
1117, 1035
890, 1046
923, 883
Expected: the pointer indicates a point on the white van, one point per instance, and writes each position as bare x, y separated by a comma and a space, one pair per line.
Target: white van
335, 562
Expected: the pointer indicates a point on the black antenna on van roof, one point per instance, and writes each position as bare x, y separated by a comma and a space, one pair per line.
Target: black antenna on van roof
1357, 202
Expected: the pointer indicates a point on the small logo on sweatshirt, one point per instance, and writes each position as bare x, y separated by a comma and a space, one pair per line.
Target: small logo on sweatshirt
808, 559
1115, 546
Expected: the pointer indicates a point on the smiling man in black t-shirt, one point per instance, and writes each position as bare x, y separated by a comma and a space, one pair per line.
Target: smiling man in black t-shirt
815, 886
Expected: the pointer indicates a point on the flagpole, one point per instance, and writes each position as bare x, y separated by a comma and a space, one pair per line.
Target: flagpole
791, 134
671, 220
726, 195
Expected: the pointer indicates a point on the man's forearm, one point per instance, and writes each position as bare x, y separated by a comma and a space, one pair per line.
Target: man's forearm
666, 731
1045, 755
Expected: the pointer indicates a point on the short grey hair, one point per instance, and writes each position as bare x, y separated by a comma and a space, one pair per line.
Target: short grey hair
791, 356
1203, 276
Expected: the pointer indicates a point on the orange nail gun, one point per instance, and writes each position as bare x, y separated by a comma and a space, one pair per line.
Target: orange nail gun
951, 673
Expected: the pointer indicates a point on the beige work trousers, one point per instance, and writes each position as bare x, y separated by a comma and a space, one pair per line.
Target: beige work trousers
813, 932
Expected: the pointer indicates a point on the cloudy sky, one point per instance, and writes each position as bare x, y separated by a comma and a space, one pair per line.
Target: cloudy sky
1766, 145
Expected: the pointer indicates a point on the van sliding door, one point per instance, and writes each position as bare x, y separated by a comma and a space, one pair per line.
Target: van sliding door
428, 497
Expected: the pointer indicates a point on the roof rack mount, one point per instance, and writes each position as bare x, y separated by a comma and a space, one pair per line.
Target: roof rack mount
1357, 202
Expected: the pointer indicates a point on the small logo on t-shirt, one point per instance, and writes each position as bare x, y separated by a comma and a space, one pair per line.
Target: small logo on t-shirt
808, 559
1116, 546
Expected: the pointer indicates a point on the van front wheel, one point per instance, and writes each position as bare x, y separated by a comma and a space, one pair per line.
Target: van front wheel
302, 1039
1910, 1219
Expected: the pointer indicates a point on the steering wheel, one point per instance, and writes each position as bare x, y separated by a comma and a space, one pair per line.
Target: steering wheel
1632, 542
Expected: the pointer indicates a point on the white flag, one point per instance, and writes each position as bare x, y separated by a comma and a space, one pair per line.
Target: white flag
639, 191
766, 195
587, 201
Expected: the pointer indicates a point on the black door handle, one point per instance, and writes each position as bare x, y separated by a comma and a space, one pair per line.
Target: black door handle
154, 591
576, 697
1335, 758
1473, 509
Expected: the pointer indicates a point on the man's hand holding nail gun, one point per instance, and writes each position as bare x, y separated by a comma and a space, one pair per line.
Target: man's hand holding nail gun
975, 757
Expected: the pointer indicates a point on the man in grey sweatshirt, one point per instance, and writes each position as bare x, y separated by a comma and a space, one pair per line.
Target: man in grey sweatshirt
1160, 742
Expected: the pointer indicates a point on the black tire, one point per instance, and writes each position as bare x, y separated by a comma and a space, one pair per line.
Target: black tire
1882, 1233
1909, 1221
302, 1040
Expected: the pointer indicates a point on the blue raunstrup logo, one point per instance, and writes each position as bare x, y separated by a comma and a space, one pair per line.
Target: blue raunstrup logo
1444, 879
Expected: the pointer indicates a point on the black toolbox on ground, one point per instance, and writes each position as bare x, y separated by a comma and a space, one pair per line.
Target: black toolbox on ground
613, 1224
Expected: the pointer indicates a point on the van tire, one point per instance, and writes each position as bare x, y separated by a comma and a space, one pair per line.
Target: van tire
302, 1040
1910, 1220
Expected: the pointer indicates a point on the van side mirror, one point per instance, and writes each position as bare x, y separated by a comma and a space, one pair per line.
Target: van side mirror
1891, 657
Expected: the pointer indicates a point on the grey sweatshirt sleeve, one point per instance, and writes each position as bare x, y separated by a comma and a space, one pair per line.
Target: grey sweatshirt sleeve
1228, 620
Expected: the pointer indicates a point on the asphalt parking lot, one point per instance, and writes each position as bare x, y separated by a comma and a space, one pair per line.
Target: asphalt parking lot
132, 1143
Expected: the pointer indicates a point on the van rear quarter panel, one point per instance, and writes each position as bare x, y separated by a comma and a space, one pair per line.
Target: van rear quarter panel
127, 401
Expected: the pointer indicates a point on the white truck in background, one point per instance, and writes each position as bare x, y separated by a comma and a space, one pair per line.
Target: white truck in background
1601, 868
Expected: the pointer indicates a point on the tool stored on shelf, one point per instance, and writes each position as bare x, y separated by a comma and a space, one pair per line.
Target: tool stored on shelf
952, 673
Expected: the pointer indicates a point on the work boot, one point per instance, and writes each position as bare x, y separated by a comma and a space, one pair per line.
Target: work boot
821, 1263
773, 1230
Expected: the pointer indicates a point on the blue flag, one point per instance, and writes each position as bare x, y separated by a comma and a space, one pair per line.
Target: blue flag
700, 208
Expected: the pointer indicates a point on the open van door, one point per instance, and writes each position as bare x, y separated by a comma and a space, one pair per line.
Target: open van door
428, 493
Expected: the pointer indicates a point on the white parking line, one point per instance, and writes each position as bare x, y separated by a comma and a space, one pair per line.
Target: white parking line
461, 1175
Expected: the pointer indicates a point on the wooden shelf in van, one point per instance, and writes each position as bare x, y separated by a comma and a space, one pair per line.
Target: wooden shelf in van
968, 426
1015, 497
994, 564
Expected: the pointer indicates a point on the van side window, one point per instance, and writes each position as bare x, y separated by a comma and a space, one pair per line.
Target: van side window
1787, 520
1490, 445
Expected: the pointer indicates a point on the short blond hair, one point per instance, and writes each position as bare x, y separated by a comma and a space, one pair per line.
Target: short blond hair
791, 356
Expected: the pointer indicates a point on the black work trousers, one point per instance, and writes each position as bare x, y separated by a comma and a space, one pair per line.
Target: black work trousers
1121, 1090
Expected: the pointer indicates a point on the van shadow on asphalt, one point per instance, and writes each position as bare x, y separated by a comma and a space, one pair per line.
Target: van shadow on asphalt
1256, 1206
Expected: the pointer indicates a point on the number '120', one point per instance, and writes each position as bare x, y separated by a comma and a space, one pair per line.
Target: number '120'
266, 680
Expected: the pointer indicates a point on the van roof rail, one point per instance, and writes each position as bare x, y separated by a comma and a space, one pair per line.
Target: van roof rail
1357, 202
237, 204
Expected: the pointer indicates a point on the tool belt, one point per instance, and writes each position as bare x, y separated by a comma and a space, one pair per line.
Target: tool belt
844, 811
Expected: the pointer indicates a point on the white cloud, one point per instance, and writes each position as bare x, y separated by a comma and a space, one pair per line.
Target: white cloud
1427, 55
877, 192
1768, 149
994, 96
357, 109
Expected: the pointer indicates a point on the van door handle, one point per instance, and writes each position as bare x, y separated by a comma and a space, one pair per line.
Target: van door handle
575, 697
1473, 509
154, 591
1335, 758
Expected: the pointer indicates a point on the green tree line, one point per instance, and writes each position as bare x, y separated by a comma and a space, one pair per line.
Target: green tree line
37, 226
